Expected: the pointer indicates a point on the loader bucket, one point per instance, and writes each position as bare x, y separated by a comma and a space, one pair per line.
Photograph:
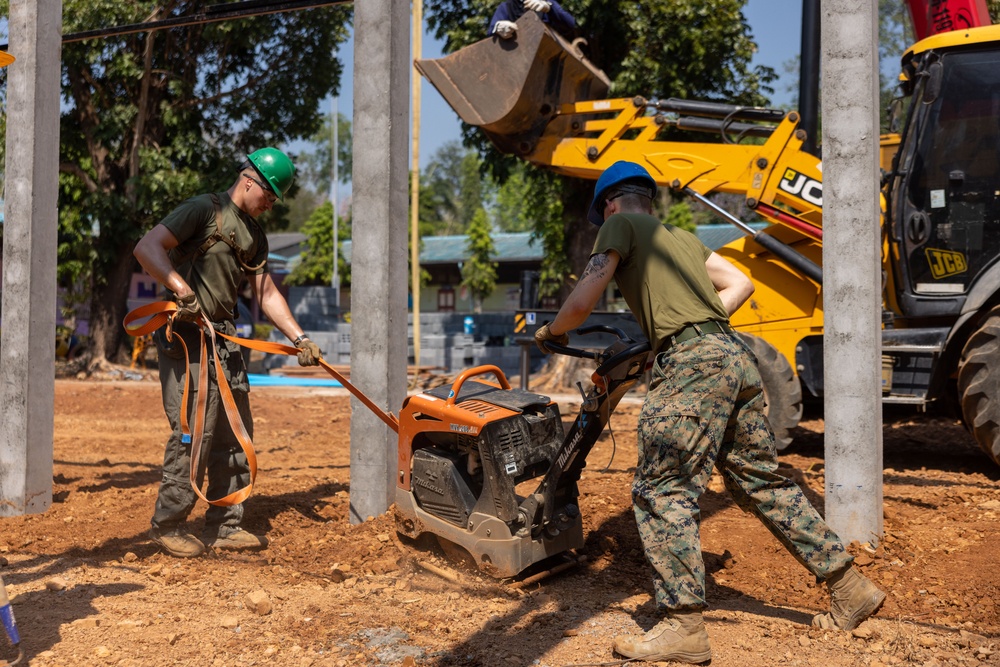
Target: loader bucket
512, 88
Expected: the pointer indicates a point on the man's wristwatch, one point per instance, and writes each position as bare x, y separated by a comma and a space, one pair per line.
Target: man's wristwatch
299, 340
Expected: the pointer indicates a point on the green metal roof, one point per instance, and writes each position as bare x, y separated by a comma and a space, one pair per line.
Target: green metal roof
518, 247
717, 235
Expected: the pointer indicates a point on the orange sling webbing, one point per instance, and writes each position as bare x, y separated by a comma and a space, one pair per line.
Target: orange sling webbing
161, 313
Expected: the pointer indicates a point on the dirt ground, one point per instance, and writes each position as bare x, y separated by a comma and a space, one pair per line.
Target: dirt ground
88, 588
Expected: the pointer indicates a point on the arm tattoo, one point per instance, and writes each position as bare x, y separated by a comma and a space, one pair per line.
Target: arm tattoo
595, 267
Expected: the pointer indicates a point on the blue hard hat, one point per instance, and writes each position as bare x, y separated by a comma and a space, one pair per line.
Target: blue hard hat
612, 176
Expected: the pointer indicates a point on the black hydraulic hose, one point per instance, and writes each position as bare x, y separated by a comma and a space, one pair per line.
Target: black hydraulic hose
696, 124
720, 110
782, 250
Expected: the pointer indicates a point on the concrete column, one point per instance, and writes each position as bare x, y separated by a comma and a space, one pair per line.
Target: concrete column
27, 347
852, 295
379, 269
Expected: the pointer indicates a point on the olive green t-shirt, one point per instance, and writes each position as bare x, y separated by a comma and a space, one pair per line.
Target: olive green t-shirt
215, 275
661, 275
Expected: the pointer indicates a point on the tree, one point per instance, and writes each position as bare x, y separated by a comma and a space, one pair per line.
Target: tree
679, 215
152, 118
314, 266
652, 48
895, 35
318, 166
479, 273
546, 205
315, 170
300, 207
452, 191
512, 213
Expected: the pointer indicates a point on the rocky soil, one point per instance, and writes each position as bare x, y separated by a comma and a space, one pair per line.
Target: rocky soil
88, 588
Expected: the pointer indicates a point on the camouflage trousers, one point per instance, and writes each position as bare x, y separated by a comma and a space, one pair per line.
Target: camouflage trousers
704, 409
226, 466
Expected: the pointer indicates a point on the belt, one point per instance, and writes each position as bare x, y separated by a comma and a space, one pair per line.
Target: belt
693, 331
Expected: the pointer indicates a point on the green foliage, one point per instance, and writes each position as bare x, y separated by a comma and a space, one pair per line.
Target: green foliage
317, 167
300, 207
679, 215
479, 273
315, 266
451, 191
895, 35
149, 119
652, 48
262, 331
543, 199
511, 213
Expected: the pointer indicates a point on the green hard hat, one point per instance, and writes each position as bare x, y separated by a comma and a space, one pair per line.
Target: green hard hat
276, 169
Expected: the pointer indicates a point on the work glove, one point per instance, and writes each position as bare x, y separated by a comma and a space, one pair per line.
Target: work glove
505, 29
543, 336
188, 308
309, 353
540, 6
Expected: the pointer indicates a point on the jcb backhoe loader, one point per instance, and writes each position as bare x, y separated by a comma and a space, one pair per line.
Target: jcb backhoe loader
539, 99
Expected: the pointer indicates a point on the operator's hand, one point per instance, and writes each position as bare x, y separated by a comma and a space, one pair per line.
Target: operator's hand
188, 308
506, 29
543, 336
309, 353
540, 6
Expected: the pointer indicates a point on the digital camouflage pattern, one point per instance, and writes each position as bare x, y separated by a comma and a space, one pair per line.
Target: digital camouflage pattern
705, 408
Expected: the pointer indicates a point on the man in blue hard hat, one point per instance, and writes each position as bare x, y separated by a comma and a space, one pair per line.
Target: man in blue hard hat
201, 252
704, 409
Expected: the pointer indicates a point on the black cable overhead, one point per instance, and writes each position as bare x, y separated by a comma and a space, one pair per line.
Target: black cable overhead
224, 11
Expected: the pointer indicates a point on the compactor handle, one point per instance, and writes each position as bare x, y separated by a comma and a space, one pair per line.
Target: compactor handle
603, 328
556, 348
456, 386
612, 362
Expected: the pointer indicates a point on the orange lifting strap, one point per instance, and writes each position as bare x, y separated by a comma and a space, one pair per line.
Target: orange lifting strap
161, 313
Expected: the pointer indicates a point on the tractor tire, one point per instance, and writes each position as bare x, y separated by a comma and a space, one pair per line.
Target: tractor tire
979, 385
782, 389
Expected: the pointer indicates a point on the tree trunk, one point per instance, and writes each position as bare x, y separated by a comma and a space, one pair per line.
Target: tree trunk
107, 310
561, 374
580, 234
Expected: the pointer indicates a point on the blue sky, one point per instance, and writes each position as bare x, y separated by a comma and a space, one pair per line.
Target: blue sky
777, 33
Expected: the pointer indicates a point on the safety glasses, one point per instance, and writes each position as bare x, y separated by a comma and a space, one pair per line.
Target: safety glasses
268, 192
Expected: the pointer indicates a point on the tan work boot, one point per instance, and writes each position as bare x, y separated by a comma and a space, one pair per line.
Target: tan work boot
680, 637
853, 599
236, 539
177, 542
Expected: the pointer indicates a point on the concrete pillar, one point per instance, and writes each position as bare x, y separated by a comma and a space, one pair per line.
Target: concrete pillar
379, 269
852, 295
27, 345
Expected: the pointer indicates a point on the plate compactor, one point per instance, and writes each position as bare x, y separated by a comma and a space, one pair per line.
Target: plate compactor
468, 451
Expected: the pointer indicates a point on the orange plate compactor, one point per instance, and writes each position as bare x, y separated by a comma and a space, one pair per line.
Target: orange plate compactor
469, 452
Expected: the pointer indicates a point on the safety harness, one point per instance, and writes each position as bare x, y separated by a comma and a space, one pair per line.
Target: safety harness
161, 313
242, 256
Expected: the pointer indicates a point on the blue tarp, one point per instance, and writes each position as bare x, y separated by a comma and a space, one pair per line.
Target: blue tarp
257, 380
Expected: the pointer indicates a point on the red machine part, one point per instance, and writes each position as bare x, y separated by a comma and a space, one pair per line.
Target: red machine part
932, 17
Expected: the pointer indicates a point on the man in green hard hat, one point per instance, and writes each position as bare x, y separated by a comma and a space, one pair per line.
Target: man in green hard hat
201, 252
